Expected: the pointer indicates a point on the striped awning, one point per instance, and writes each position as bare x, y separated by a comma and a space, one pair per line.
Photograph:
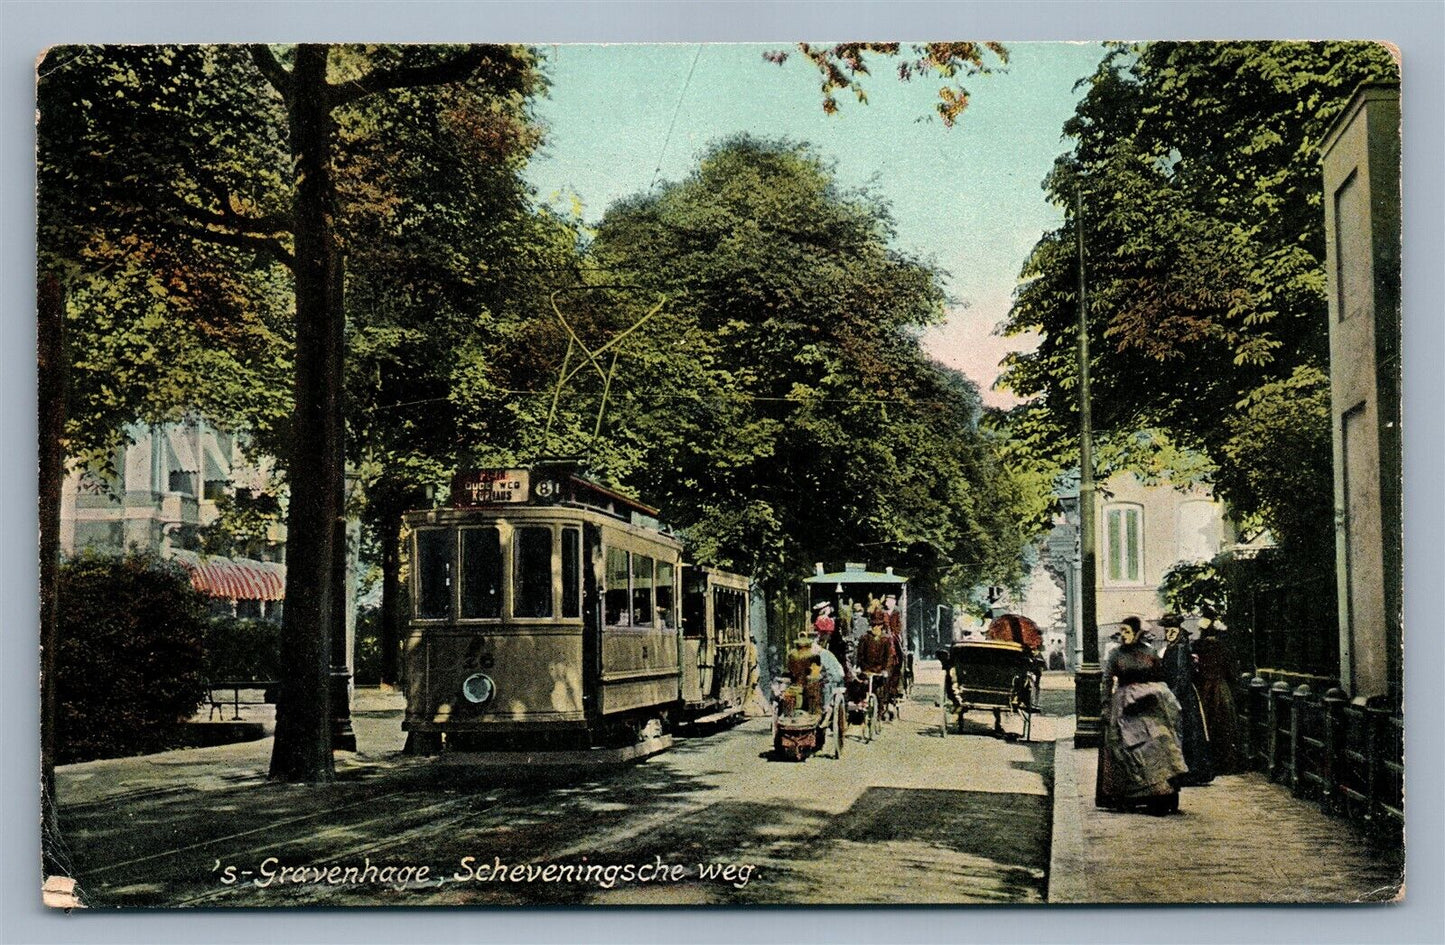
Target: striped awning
235, 578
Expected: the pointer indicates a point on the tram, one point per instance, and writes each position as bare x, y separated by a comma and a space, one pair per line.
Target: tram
718, 660
547, 617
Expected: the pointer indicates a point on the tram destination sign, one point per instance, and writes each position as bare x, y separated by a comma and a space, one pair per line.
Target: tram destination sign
491, 487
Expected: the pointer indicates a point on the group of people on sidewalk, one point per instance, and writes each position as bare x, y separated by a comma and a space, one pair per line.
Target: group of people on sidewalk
1169, 719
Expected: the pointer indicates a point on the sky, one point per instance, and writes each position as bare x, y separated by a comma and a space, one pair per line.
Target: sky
968, 198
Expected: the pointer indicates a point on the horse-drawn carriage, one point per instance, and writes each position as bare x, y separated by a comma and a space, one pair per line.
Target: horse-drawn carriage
998, 675
859, 599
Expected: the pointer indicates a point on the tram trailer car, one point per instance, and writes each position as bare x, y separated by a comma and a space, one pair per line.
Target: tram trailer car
717, 663
545, 616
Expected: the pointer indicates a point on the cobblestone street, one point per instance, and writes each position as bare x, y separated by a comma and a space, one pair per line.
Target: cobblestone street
912, 816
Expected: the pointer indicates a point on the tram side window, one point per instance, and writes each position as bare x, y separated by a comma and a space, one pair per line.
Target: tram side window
641, 591
615, 602
666, 607
434, 574
571, 572
532, 573
727, 609
481, 573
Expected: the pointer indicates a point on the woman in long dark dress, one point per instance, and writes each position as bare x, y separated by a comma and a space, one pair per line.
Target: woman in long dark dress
1216, 694
1179, 673
1140, 760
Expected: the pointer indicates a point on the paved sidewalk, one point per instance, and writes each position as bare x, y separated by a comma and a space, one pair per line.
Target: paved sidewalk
1238, 839
374, 717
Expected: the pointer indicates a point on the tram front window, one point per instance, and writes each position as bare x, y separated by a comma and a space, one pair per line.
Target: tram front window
481, 573
571, 572
615, 602
665, 607
434, 574
532, 573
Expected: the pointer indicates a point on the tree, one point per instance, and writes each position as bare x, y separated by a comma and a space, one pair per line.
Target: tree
316, 518
1196, 165
785, 412
158, 211
155, 158
843, 67
428, 293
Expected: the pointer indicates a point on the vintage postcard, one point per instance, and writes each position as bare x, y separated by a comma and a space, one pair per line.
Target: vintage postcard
747, 474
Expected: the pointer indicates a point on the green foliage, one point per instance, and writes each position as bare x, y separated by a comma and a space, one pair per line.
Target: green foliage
161, 201
1197, 169
1280, 606
244, 524
241, 648
780, 408
1280, 465
129, 665
1189, 585
367, 670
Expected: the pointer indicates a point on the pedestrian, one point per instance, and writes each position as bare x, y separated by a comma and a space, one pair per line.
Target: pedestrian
1180, 671
859, 627
833, 681
1217, 673
876, 656
1140, 760
824, 621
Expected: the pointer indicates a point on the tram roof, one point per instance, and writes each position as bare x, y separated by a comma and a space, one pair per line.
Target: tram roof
857, 577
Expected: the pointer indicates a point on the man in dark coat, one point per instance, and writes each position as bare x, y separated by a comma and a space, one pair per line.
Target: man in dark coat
1179, 676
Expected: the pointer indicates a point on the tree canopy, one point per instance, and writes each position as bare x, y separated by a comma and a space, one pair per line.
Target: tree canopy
788, 413
1194, 181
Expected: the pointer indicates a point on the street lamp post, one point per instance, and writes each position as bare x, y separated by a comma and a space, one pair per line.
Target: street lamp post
1088, 701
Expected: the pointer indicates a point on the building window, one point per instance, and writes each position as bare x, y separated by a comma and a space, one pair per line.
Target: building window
1199, 530
1124, 543
182, 481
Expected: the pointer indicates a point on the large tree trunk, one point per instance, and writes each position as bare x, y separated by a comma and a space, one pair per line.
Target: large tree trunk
303, 750
53, 365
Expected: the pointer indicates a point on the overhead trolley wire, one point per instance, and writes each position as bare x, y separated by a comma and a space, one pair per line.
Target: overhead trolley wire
677, 107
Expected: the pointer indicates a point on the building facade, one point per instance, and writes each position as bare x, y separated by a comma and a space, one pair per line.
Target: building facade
164, 488
1361, 164
1142, 530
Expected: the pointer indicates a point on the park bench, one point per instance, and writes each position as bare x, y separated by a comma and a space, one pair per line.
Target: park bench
215, 691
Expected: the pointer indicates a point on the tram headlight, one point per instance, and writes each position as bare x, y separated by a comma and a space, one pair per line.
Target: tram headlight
478, 688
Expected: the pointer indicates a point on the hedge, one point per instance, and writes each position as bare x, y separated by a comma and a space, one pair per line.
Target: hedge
129, 659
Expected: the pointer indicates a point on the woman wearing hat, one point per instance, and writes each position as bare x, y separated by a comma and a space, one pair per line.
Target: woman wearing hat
1217, 672
1140, 760
1179, 674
